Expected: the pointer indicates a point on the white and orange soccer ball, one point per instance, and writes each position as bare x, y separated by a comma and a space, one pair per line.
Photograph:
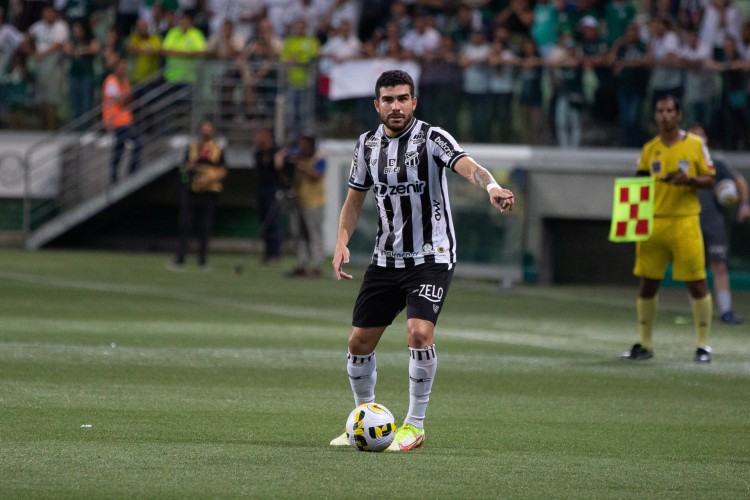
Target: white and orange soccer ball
370, 427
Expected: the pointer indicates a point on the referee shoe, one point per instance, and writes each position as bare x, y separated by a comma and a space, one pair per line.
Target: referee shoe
637, 353
730, 318
703, 354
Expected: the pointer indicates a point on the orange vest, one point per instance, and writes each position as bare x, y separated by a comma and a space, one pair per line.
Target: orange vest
115, 113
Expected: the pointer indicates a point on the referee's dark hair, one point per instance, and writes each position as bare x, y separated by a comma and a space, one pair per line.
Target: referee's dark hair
670, 97
393, 78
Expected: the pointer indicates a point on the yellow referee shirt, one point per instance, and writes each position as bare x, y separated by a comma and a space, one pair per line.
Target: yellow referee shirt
660, 161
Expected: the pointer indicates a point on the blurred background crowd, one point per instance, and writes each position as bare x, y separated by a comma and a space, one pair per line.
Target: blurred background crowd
543, 72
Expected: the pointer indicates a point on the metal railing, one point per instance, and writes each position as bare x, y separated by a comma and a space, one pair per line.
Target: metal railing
71, 166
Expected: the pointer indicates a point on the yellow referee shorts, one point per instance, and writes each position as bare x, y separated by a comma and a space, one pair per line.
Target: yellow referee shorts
677, 240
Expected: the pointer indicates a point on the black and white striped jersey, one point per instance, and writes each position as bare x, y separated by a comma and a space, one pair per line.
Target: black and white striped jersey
407, 177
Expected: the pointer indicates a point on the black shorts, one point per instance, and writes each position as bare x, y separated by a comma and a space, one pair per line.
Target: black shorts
715, 241
386, 291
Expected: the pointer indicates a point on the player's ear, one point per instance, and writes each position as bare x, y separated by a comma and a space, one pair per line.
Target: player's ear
377, 105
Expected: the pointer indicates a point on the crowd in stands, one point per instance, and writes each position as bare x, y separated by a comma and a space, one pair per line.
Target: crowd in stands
505, 71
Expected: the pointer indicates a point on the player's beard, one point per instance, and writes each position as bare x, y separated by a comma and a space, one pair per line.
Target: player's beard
400, 127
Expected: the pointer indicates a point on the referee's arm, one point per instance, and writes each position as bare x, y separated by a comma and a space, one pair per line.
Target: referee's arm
500, 198
347, 224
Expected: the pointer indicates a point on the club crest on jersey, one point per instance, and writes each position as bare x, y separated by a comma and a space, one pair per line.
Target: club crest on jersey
418, 139
411, 159
656, 167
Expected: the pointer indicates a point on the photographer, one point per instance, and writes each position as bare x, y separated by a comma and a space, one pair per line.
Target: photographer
306, 213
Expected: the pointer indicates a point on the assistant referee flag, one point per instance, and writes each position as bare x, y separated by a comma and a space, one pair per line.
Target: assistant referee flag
632, 209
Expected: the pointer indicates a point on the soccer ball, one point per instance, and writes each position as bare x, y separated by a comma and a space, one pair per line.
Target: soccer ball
726, 192
370, 427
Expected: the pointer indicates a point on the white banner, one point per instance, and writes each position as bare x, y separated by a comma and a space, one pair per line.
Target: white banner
357, 78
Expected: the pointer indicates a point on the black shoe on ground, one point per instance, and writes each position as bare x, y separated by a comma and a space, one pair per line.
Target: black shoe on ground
731, 318
703, 355
636, 353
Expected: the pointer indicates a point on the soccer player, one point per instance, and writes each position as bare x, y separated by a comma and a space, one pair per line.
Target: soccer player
404, 162
713, 227
680, 164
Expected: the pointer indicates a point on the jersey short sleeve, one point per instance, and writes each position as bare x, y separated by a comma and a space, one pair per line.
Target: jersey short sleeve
443, 148
359, 175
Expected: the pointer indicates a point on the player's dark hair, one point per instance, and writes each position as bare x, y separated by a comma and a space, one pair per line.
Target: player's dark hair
669, 97
393, 78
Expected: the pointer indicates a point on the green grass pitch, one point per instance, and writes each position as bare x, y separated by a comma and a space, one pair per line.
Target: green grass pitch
120, 379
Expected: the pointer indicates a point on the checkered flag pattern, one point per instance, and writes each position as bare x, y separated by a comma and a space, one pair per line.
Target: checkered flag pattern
632, 209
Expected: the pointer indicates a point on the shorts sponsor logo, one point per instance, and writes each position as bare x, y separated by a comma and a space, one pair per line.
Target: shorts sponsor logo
400, 189
433, 293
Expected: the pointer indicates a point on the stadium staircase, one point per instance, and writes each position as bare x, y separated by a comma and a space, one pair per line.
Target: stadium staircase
67, 173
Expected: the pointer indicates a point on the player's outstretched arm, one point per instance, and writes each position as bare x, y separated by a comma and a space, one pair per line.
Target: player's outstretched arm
500, 198
347, 223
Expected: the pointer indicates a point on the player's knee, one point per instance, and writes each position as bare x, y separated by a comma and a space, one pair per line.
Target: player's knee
420, 335
360, 343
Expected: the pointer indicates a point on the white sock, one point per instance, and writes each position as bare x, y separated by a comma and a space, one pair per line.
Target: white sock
422, 368
363, 374
724, 301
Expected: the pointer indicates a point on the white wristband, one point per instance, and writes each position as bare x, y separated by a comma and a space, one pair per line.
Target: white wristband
492, 186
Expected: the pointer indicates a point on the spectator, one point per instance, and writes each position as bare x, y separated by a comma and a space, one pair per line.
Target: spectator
721, 19
502, 64
518, 17
631, 69
733, 122
226, 47
700, 88
390, 45
299, 53
271, 185
439, 84
664, 49
618, 14
81, 50
307, 219
202, 176
464, 23
10, 41
570, 17
596, 59
117, 117
111, 52
421, 38
307, 11
29, 12
338, 11
473, 60
15, 91
182, 46
247, 15
145, 48
567, 79
544, 27
259, 74
48, 37
530, 98
127, 16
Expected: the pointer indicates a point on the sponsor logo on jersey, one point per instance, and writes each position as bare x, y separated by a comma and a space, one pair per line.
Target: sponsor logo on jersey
391, 170
418, 139
683, 165
411, 159
400, 189
433, 293
373, 142
447, 149
437, 214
